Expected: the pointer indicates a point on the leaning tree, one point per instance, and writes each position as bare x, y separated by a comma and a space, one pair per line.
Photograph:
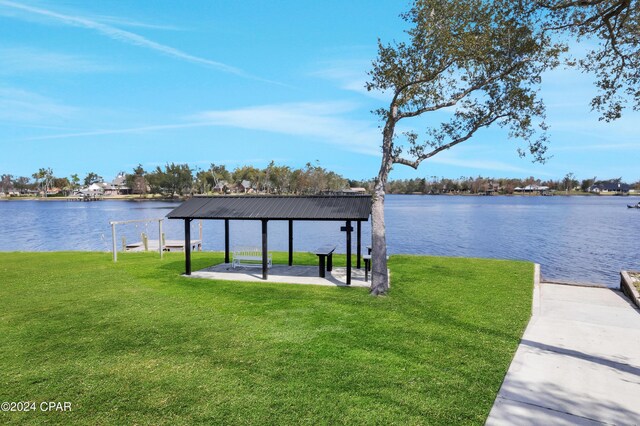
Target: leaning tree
477, 61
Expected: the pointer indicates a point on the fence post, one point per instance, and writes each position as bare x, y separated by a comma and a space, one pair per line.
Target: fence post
160, 239
113, 238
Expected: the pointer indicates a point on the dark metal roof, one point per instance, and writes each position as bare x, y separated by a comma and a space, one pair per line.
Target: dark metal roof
334, 207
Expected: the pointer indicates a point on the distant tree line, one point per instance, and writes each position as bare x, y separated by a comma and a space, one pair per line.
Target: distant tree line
181, 180
485, 185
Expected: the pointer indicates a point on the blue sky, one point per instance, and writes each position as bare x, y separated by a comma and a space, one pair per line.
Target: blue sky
103, 86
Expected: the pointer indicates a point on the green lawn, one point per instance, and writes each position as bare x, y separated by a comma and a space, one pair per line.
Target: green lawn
136, 343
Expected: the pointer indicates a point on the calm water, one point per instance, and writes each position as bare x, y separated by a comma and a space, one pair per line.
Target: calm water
573, 238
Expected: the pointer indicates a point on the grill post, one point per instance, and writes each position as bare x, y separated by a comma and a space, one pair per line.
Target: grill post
226, 241
187, 246
349, 252
359, 244
290, 242
265, 269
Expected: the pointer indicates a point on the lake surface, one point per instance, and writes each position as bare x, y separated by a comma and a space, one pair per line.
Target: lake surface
585, 239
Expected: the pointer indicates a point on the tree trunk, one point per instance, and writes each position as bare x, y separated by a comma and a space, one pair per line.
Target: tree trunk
379, 275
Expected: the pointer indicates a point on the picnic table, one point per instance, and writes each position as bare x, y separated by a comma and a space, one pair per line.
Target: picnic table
325, 253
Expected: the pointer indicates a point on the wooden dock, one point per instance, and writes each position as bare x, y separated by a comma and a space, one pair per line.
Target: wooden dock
169, 245
146, 244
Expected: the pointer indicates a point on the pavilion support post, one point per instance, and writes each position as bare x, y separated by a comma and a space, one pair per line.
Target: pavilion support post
226, 241
359, 244
187, 246
265, 270
349, 252
290, 242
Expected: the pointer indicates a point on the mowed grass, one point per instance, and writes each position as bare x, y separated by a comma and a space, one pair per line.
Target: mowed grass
137, 343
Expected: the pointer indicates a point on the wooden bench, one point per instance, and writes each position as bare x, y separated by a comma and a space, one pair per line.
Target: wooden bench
325, 253
367, 265
251, 257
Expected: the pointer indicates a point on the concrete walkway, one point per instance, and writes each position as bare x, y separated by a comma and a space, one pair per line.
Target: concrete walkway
578, 361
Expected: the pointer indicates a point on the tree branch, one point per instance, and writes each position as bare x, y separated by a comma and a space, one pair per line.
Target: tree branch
419, 159
610, 28
569, 4
606, 14
455, 99
432, 77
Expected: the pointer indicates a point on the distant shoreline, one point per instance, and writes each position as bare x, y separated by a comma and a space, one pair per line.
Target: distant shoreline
182, 198
77, 199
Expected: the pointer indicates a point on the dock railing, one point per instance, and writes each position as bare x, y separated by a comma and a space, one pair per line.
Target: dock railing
124, 222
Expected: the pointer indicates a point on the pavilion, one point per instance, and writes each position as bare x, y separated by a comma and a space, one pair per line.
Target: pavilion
265, 208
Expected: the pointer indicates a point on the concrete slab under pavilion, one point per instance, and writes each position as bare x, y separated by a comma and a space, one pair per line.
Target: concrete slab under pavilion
285, 274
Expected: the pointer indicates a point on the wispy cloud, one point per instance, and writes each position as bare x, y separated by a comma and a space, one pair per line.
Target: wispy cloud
17, 105
126, 37
128, 130
23, 59
622, 130
38, 126
350, 75
136, 24
608, 147
323, 122
451, 160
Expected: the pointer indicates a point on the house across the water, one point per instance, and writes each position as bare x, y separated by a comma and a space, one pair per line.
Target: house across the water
610, 187
530, 189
